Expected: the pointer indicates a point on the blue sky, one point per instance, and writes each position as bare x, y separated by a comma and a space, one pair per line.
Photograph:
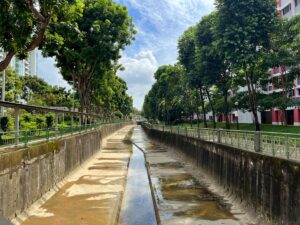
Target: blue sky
159, 24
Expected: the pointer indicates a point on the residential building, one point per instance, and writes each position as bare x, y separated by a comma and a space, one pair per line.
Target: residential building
26, 67
286, 8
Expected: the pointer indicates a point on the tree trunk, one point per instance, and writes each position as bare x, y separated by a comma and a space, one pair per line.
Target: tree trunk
38, 37
252, 96
203, 107
197, 110
227, 122
212, 107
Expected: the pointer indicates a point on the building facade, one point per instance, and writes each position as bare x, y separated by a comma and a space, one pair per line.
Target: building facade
286, 8
26, 67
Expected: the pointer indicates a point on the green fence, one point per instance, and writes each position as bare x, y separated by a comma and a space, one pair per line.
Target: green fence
23, 137
283, 145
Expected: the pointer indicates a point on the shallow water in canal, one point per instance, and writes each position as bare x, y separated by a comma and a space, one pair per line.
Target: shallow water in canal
137, 207
179, 196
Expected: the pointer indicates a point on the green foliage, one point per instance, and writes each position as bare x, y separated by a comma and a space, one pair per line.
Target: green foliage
40, 121
4, 123
91, 47
23, 24
168, 97
49, 120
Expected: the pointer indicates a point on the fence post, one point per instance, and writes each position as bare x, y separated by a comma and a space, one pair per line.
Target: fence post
56, 124
26, 138
287, 147
47, 134
198, 132
186, 132
17, 127
219, 136
257, 143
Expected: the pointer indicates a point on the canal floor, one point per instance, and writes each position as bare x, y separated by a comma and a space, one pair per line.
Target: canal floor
180, 197
138, 183
92, 194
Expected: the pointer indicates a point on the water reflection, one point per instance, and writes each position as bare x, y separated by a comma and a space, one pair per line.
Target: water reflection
137, 207
179, 196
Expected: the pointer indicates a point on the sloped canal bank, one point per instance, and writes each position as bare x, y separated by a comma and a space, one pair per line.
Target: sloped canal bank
179, 196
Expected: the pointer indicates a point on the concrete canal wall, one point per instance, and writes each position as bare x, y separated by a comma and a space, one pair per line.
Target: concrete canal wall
269, 185
27, 174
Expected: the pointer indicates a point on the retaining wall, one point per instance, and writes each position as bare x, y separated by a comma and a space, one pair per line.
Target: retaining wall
27, 174
269, 185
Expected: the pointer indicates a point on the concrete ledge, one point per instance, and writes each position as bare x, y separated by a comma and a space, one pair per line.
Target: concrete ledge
28, 173
267, 184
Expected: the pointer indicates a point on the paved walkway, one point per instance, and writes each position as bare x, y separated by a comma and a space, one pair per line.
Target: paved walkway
93, 194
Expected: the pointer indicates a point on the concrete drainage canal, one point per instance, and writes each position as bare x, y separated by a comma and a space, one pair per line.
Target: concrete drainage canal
162, 190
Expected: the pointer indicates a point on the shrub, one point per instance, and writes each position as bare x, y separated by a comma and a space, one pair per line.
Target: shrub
49, 120
4, 123
40, 121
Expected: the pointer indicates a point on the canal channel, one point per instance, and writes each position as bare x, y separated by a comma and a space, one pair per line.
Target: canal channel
161, 189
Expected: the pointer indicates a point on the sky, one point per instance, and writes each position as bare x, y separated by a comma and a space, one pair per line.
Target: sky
159, 24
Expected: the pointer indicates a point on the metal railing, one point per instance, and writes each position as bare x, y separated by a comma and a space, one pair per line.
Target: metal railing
18, 136
284, 145
23, 137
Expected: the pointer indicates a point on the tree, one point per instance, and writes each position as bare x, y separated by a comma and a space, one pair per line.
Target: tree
284, 57
24, 24
13, 86
91, 47
167, 98
245, 28
211, 63
188, 57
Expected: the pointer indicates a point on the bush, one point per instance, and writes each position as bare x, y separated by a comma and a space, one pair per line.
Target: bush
26, 117
40, 121
119, 115
49, 120
4, 123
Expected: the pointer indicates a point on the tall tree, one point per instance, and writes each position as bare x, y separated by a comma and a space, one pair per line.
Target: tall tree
93, 46
188, 57
285, 58
211, 63
245, 27
24, 24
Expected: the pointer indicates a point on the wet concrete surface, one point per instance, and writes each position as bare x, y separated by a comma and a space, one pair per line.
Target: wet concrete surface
180, 197
92, 195
137, 207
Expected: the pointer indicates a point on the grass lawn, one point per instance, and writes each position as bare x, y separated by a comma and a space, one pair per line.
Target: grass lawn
251, 127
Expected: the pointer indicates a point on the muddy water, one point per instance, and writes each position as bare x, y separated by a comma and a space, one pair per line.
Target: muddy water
180, 197
137, 207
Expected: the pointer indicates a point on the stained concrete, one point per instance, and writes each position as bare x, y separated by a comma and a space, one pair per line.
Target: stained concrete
268, 186
93, 193
182, 196
34, 173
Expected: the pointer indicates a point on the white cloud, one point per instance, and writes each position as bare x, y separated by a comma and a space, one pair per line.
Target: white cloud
159, 23
49, 72
139, 74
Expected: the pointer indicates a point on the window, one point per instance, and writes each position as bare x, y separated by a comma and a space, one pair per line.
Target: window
297, 2
286, 9
276, 70
298, 91
298, 81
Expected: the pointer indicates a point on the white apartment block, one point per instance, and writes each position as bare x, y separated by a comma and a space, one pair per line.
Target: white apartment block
26, 67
